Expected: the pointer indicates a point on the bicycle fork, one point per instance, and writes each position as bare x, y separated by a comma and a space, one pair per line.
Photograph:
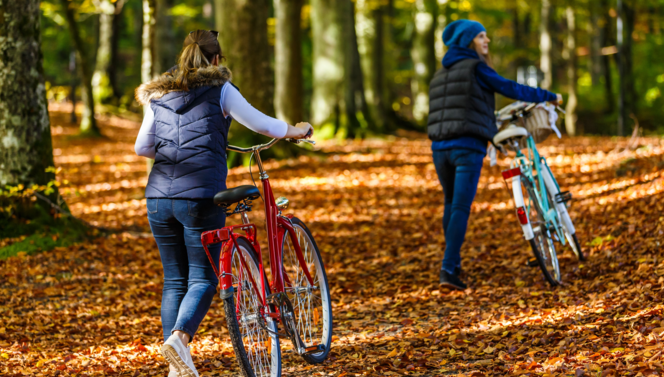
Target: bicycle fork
552, 187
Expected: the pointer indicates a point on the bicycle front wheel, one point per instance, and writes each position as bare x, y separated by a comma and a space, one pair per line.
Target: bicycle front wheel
257, 350
311, 304
542, 242
563, 215
571, 237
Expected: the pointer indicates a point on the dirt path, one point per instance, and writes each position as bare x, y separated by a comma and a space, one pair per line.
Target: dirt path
375, 208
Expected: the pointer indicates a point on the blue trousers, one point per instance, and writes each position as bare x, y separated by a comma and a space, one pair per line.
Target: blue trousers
459, 173
189, 280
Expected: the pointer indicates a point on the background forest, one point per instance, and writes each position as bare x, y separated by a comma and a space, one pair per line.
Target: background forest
300, 59
80, 273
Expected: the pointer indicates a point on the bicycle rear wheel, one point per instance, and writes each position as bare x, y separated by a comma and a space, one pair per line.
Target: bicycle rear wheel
258, 352
311, 305
542, 242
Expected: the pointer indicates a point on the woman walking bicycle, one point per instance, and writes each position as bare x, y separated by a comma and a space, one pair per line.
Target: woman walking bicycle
185, 130
461, 122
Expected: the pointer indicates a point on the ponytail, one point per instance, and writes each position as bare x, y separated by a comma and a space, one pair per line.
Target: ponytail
200, 48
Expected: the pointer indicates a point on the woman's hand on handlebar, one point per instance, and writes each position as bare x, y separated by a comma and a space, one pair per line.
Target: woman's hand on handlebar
302, 130
559, 99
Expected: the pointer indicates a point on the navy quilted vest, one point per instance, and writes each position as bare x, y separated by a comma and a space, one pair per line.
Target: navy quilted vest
459, 106
191, 136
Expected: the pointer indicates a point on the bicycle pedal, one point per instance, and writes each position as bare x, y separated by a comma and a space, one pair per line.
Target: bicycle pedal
314, 349
532, 262
563, 197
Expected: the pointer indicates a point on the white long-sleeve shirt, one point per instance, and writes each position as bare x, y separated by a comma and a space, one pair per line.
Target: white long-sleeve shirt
233, 104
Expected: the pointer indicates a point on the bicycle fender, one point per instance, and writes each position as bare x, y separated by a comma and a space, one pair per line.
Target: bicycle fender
520, 203
226, 293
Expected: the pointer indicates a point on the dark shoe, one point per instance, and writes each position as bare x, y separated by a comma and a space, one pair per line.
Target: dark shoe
451, 281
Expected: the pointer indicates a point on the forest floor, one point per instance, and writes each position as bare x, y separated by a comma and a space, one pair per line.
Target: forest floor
375, 209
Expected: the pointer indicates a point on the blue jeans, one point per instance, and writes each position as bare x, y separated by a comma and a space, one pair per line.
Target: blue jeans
459, 172
189, 280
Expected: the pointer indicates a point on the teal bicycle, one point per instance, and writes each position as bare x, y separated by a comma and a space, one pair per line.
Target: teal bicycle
541, 206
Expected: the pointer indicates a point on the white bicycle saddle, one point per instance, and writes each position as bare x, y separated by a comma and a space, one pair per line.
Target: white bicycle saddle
511, 131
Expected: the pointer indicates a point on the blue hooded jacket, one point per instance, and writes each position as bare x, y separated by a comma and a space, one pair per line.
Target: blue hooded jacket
489, 79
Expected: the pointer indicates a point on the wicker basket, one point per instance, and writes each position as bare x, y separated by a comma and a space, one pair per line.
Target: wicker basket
538, 124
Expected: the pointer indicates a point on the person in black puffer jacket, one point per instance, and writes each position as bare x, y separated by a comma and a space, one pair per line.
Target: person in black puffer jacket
461, 123
185, 130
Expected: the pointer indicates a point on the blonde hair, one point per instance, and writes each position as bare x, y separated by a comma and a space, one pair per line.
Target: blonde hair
200, 48
485, 58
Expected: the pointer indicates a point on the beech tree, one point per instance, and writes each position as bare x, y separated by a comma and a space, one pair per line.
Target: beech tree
242, 26
570, 54
101, 78
288, 76
424, 56
545, 45
25, 128
338, 94
88, 123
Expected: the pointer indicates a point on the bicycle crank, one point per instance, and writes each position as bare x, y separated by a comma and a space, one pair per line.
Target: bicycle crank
287, 314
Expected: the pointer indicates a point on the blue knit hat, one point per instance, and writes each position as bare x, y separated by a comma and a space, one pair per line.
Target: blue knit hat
461, 32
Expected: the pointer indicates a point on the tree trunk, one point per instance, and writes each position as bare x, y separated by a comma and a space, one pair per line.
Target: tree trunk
570, 54
289, 80
370, 29
73, 84
147, 52
115, 45
357, 110
595, 58
242, 26
423, 54
337, 78
628, 61
88, 123
328, 64
609, 100
441, 23
101, 83
25, 129
147, 41
545, 45
165, 47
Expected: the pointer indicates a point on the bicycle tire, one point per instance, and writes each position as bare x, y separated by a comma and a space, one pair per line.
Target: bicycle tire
248, 341
576, 248
542, 242
305, 316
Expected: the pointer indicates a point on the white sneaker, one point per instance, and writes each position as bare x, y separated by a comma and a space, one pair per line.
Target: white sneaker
179, 357
172, 372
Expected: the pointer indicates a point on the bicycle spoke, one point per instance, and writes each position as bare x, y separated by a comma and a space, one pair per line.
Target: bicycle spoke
257, 342
306, 299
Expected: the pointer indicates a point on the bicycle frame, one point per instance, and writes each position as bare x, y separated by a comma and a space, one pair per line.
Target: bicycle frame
530, 166
277, 226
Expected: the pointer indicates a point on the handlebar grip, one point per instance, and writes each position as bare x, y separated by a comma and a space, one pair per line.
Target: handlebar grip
298, 141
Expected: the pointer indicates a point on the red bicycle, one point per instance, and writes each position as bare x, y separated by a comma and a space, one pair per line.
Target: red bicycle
296, 303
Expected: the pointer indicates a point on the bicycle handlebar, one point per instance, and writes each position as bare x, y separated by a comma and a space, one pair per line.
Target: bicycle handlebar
260, 147
518, 109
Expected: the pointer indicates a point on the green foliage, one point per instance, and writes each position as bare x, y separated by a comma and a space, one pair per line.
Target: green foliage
29, 225
42, 232
513, 27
